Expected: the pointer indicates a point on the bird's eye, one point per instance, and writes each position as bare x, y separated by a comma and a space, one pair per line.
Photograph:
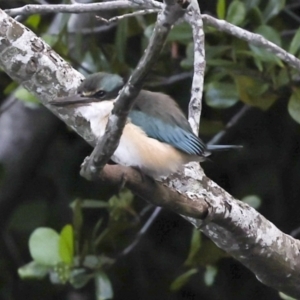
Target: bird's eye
100, 94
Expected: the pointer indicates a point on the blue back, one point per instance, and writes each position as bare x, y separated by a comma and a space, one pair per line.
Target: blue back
160, 117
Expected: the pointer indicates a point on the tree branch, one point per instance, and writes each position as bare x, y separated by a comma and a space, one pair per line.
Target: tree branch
193, 17
79, 8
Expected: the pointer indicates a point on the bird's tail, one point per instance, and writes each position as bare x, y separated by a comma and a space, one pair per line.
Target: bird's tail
215, 148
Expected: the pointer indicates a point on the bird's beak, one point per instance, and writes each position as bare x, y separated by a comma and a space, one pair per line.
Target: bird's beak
70, 100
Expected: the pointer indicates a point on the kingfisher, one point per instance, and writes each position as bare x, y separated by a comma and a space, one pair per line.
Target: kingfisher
157, 138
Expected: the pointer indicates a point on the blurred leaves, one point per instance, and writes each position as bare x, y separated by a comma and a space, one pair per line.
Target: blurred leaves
286, 297
262, 54
44, 246
294, 105
66, 244
221, 9
181, 33
252, 200
103, 286
272, 9
33, 21
181, 280
194, 248
210, 275
221, 94
23, 95
236, 12
295, 44
33, 270
255, 92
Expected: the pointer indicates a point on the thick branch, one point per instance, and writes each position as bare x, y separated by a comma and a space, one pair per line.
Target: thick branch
233, 225
154, 192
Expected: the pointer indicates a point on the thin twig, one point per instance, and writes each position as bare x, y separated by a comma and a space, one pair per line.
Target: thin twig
253, 38
141, 233
233, 122
129, 15
170, 80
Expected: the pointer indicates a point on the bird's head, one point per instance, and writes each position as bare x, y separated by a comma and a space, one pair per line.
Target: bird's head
94, 88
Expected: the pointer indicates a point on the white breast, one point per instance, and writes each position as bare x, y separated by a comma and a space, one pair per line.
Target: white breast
97, 114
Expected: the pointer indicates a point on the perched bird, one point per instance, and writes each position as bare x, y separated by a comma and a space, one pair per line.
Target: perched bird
157, 138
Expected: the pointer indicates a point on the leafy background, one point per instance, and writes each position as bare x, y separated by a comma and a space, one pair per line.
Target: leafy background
171, 261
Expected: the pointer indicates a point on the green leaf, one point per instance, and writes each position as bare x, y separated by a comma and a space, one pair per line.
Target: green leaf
218, 62
66, 244
148, 31
221, 9
215, 51
295, 44
210, 127
120, 205
273, 36
282, 78
23, 95
89, 203
121, 39
210, 275
251, 3
51, 39
10, 87
33, 21
79, 278
33, 270
254, 14
269, 33
194, 248
44, 246
255, 92
221, 94
77, 217
236, 12
103, 286
286, 297
294, 105
181, 33
180, 281
252, 200
273, 8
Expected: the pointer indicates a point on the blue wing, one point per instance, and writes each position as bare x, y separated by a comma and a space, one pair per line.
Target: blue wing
171, 134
